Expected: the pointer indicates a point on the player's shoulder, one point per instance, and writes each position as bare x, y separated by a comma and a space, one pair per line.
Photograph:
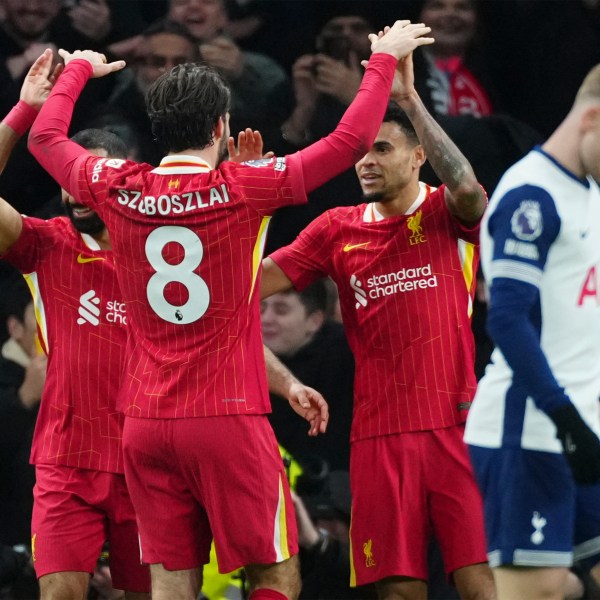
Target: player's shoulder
60, 227
115, 168
259, 166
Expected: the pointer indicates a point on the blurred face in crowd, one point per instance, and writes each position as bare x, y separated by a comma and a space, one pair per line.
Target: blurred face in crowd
452, 23
203, 19
160, 53
24, 332
30, 18
84, 219
390, 165
354, 29
286, 325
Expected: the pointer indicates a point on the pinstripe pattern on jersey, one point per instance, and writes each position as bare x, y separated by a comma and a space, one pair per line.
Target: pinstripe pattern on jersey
405, 301
213, 364
78, 424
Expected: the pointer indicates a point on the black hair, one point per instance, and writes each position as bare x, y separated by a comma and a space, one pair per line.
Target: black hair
185, 104
315, 297
15, 298
166, 26
394, 114
100, 138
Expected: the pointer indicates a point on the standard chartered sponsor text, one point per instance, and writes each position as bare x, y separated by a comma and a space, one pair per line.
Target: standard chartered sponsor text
403, 280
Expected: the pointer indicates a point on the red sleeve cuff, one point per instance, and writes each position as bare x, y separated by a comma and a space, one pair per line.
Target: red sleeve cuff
21, 117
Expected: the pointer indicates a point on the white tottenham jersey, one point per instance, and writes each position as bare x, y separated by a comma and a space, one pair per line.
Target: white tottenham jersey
545, 231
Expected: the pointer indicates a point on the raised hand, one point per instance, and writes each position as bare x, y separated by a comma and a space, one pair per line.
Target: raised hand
39, 80
97, 60
249, 147
400, 39
404, 80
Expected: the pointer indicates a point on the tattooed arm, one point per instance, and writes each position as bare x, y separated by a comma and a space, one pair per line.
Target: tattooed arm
465, 197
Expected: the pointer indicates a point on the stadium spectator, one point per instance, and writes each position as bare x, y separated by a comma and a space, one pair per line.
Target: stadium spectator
296, 328
259, 85
452, 74
22, 378
404, 265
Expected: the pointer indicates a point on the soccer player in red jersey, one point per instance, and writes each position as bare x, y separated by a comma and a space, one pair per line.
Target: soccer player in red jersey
80, 497
405, 264
200, 458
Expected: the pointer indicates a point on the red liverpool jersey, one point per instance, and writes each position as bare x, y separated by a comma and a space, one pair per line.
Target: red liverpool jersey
81, 324
188, 243
406, 286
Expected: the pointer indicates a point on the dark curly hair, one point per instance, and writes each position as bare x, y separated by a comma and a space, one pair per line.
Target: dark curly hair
394, 114
184, 106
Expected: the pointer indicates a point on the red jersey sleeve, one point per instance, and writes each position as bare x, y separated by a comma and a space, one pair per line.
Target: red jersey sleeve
468, 231
308, 257
28, 251
268, 183
94, 176
48, 140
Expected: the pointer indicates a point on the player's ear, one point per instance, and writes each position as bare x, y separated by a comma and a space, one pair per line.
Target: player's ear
316, 320
15, 328
419, 156
219, 128
590, 118
222, 127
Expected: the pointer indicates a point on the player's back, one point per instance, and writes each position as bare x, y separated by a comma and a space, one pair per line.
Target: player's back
188, 242
552, 241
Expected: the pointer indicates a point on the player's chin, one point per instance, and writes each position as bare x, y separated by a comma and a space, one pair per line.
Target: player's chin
370, 195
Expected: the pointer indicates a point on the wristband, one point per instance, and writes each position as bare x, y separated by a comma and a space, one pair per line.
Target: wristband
21, 117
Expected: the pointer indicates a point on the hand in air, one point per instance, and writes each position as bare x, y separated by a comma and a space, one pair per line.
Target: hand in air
97, 60
39, 80
400, 39
249, 147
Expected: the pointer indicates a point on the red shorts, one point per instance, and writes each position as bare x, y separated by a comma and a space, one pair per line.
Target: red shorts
74, 512
195, 479
404, 488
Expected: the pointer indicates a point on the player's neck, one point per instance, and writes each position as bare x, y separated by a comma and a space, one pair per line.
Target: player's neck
102, 239
401, 203
563, 144
209, 155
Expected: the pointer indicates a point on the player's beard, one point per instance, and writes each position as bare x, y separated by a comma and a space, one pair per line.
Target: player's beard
223, 152
90, 225
376, 197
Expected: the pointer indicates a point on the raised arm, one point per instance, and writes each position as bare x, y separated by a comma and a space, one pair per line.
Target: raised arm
35, 89
48, 140
357, 129
465, 198
273, 280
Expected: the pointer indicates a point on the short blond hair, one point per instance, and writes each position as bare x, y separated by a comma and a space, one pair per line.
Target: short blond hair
590, 88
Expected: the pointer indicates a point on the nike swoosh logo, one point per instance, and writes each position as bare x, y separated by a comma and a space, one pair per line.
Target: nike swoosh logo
349, 247
86, 259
